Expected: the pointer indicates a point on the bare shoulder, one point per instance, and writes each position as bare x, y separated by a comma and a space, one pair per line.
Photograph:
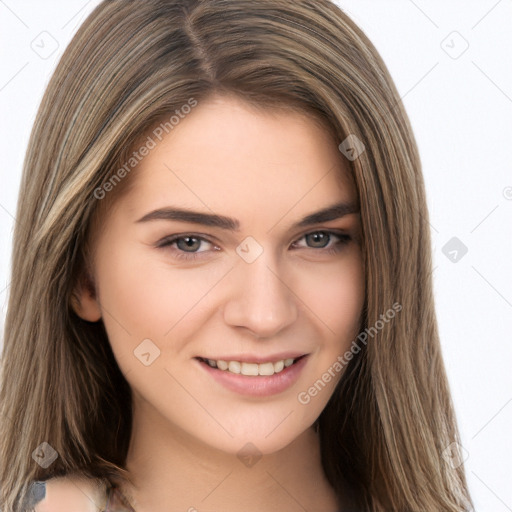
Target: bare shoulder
73, 494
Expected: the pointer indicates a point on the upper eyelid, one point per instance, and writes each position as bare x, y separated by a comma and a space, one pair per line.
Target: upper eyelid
167, 240
343, 237
329, 231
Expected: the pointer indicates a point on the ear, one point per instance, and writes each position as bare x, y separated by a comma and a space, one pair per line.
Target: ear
84, 299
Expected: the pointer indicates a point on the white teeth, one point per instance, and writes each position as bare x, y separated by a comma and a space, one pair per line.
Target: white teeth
252, 369
278, 366
266, 369
234, 366
249, 369
222, 365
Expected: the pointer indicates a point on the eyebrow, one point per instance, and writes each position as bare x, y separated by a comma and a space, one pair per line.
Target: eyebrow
333, 212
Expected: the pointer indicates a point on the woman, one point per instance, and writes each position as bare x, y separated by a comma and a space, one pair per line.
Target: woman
221, 293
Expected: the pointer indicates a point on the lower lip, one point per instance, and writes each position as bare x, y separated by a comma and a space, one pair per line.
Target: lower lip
257, 385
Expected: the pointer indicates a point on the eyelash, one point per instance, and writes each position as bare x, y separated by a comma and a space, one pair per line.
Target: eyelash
166, 243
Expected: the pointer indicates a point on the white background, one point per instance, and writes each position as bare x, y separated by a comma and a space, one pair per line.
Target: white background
460, 105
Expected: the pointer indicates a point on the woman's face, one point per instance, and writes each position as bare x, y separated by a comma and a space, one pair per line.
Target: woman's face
220, 251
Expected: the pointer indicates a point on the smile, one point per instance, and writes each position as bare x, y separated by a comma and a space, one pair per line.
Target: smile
249, 377
251, 369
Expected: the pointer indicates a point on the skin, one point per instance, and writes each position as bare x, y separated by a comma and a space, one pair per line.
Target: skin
267, 170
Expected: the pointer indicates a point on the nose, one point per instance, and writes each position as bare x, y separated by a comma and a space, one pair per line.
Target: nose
260, 301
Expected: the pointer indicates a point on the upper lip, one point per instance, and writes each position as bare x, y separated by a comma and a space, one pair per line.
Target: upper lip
246, 358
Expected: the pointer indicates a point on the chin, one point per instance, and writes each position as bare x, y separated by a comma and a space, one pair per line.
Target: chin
266, 438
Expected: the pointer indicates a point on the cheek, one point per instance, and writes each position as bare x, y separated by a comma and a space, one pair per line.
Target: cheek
335, 295
143, 296
336, 299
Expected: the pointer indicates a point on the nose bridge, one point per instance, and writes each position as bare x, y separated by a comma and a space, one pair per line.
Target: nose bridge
260, 299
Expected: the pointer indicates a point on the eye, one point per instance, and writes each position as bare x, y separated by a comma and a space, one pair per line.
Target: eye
186, 246
328, 241
188, 243
318, 240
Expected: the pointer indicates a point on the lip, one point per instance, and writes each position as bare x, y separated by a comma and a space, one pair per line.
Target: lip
246, 358
252, 385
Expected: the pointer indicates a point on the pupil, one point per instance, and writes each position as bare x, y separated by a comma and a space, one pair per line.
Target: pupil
188, 242
318, 239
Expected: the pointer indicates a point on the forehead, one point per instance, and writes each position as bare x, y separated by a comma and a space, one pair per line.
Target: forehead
227, 155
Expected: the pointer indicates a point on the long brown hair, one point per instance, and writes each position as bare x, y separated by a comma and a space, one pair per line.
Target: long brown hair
385, 430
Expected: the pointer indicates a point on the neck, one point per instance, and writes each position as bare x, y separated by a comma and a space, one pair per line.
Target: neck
169, 469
